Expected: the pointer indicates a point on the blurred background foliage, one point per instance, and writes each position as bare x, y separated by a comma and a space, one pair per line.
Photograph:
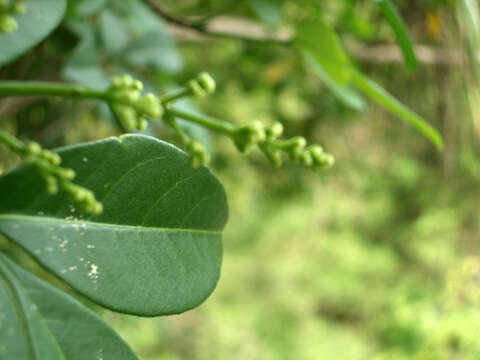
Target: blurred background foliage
377, 258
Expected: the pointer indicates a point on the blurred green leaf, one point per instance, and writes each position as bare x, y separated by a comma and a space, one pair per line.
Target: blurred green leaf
53, 325
321, 42
83, 66
155, 250
383, 98
392, 16
113, 32
345, 93
155, 50
41, 17
268, 11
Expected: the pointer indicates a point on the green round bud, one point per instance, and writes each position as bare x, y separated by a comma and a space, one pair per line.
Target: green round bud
206, 82
137, 85
150, 106
33, 148
195, 88
66, 174
248, 136
274, 131
51, 157
306, 159
198, 155
142, 124
51, 184
126, 116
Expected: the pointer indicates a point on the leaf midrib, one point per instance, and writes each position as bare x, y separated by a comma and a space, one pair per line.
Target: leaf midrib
101, 224
4, 276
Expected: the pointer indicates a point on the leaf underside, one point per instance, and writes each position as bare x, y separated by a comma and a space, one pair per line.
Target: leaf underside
155, 250
38, 321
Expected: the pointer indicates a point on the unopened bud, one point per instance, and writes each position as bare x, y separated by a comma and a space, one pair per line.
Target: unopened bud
206, 82
274, 131
150, 106
7, 23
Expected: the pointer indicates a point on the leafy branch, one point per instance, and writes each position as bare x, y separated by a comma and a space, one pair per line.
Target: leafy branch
132, 110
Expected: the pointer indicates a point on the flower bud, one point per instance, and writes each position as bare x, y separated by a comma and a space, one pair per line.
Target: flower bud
195, 88
51, 184
150, 106
306, 159
247, 136
66, 174
33, 148
206, 82
198, 155
19, 7
274, 131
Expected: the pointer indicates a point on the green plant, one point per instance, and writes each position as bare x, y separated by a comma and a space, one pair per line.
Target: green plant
132, 223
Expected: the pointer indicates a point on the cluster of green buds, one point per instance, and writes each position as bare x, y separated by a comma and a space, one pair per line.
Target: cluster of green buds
8, 9
248, 136
48, 163
128, 105
245, 137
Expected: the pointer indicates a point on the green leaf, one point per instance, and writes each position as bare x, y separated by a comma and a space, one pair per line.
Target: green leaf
383, 98
41, 322
41, 17
83, 67
392, 16
268, 11
156, 50
344, 93
23, 332
321, 43
323, 51
113, 31
155, 250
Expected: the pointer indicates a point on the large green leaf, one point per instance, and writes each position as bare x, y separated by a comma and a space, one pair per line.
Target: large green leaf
156, 249
41, 17
392, 16
40, 322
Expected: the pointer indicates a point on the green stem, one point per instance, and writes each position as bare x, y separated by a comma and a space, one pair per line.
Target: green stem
38, 88
11, 142
205, 121
178, 94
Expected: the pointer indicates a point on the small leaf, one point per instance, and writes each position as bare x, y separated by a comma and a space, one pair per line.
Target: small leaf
391, 14
41, 17
61, 325
155, 250
383, 98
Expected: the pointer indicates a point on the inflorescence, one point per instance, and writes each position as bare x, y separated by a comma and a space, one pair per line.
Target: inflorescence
55, 176
132, 110
8, 9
